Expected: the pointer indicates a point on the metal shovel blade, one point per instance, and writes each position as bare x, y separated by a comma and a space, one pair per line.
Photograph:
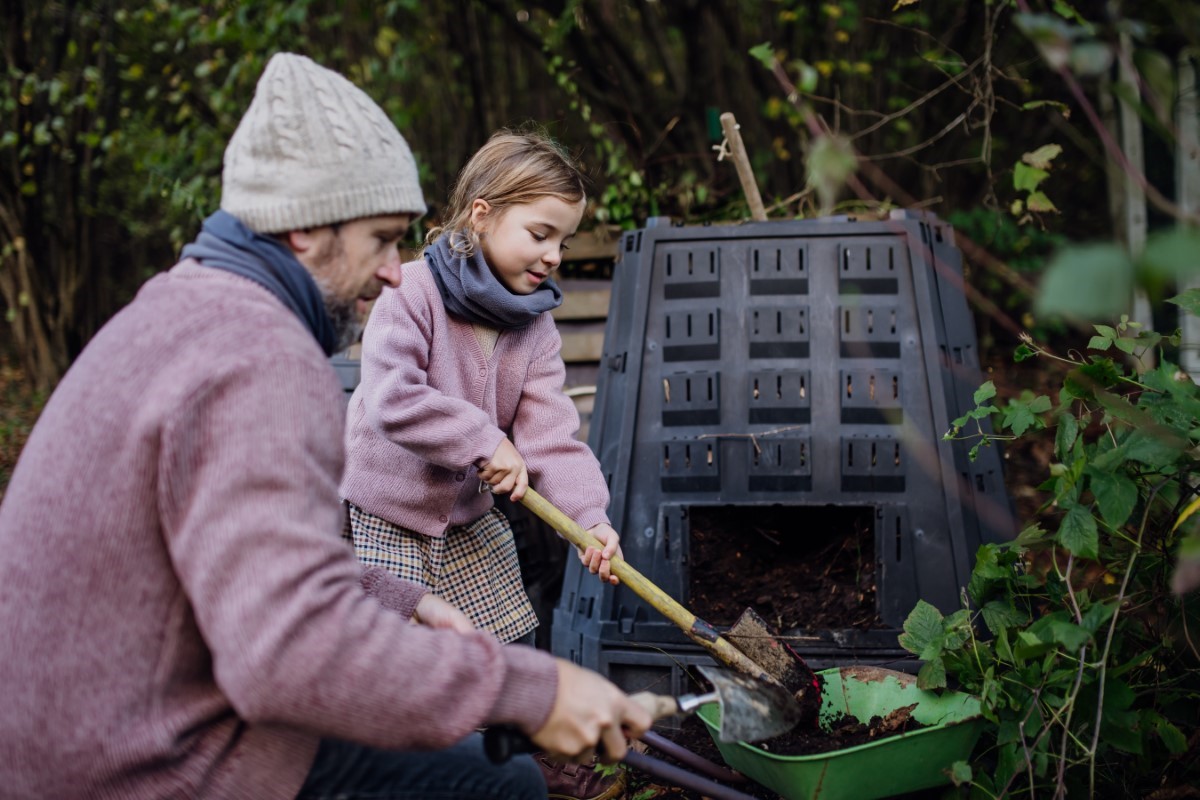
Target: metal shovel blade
751, 710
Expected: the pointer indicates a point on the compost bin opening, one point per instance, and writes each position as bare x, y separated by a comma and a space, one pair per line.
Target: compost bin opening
800, 567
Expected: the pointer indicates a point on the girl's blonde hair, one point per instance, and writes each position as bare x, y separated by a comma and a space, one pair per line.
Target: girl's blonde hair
511, 169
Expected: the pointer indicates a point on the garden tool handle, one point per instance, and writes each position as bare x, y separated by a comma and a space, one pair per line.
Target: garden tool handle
502, 742
696, 629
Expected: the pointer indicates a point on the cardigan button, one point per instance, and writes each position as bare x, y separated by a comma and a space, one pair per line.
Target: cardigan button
460, 477
482, 371
442, 518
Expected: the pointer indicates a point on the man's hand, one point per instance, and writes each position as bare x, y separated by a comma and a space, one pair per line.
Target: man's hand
590, 715
598, 562
435, 612
505, 472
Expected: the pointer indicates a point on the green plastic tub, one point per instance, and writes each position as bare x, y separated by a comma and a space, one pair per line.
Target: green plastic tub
890, 766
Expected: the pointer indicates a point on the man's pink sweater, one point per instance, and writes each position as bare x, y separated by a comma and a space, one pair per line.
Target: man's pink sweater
179, 616
431, 405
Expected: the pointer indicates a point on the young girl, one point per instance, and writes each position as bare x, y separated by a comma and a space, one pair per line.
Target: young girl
462, 391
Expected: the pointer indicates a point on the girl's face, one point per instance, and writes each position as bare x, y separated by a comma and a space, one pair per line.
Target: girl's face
523, 244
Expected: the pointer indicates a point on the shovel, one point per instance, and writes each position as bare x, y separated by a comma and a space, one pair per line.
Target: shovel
772, 661
751, 711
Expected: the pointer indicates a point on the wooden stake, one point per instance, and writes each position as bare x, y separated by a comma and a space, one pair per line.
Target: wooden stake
737, 151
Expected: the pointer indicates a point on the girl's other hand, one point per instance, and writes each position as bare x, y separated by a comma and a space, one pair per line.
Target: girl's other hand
599, 562
506, 472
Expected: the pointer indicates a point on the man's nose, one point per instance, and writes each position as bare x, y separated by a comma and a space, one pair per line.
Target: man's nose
389, 273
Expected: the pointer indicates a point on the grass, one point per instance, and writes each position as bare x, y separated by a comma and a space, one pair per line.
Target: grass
20, 405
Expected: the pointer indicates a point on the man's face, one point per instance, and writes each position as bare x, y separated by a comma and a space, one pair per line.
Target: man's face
351, 263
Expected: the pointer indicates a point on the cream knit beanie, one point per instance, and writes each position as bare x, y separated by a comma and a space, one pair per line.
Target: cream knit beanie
313, 149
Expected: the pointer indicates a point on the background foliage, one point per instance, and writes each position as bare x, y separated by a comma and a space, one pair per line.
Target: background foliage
115, 114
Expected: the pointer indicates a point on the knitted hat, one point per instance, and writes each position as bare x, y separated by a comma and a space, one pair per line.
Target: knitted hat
313, 149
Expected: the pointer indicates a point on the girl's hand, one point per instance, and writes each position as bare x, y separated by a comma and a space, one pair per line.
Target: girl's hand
506, 472
599, 562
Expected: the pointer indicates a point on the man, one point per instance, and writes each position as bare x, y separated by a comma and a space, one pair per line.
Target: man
178, 614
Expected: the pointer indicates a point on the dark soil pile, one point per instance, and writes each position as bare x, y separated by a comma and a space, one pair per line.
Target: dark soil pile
799, 567
843, 732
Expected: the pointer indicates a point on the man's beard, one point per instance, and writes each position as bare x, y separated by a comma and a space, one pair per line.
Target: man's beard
344, 315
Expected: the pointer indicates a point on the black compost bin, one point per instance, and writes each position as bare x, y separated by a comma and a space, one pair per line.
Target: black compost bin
797, 370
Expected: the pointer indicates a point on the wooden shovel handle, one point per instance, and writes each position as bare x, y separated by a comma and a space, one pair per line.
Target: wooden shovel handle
696, 629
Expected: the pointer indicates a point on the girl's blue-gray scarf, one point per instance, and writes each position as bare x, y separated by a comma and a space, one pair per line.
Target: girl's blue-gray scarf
472, 292
226, 243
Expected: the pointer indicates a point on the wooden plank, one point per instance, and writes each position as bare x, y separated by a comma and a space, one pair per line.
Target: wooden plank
584, 300
584, 404
582, 345
598, 243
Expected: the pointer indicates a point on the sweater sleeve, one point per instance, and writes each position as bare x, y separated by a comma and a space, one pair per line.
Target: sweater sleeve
561, 467
400, 402
248, 475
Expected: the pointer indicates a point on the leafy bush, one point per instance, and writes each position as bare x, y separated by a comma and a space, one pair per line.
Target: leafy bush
1071, 634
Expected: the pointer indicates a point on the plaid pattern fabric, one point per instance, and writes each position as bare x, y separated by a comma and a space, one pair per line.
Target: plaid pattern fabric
474, 567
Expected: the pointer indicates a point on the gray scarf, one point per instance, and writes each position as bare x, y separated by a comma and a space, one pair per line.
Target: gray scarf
472, 292
226, 243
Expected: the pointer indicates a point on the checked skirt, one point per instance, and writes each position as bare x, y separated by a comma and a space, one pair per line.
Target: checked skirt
473, 567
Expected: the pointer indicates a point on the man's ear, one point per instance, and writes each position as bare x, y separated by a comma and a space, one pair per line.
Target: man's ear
299, 241
480, 209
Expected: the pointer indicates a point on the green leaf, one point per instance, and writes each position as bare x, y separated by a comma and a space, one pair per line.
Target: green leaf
1099, 343
1170, 258
1020, 415
1031, 535
932, 675
1050, 632
1078, 532
1154, 446
1125, 344
1158, 73
1189, 301
1061, 107
999, 614
922, 628
1089, 281
765, 53
1171, 736
1090, 58
1065, 435
831, 161
1083, 382
1120, 729
1038, 201
1116, 495
984, 393
1008, 732
1041, 157
1027, 178
1096, 615
1022, 352
807, 76
960, 773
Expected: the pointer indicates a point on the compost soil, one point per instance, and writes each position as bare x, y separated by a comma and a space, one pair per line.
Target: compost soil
800, 568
